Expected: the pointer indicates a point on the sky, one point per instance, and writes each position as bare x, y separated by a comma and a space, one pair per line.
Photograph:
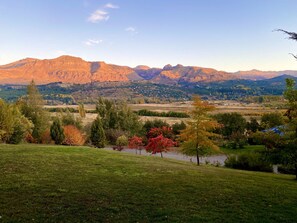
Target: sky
227, 35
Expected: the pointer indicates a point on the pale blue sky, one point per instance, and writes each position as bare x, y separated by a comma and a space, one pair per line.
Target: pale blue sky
227, 35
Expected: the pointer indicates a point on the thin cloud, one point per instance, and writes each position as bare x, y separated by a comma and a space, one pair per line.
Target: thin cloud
98, 16
92, 42
111, 6
131, 30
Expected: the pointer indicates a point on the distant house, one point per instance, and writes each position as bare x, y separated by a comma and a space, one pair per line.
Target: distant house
278, 130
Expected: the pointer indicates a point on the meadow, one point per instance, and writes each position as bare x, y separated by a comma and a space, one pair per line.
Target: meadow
248, 110
46, 183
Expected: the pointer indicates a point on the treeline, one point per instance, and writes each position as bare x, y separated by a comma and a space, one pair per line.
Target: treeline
145, 112
142, 112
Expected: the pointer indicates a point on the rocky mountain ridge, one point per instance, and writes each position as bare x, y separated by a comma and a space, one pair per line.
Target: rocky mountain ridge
69, 69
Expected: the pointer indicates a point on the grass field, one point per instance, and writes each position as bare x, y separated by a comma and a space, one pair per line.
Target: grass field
80, 184
247, 110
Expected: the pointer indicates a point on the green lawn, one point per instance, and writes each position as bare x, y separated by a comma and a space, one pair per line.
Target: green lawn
81, 184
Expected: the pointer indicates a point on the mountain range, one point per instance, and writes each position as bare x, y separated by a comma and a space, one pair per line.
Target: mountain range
69, 69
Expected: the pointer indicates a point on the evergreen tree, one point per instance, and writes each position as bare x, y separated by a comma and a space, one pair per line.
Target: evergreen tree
57, 131
97, 133
32, 108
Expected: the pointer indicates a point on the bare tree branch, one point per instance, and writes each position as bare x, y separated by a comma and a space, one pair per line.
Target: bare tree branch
292, 35
295, 56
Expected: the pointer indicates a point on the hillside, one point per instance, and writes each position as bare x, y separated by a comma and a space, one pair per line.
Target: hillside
80, 184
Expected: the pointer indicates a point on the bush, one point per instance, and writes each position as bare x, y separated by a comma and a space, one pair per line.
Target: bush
113, 134
286, 169
253, 161
73, 136
122, 141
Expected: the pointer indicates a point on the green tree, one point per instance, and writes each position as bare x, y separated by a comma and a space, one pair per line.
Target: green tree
270, 120
32, 107
231, 123
22, 126
118, 116
253, 125
68, 118
289, 149
81, 110
198, 136
97, 133
6, 121
13, 125
57, 131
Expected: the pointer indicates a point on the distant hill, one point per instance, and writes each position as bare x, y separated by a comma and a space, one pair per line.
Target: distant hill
261, 75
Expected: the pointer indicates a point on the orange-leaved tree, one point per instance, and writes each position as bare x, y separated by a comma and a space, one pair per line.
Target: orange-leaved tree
198, 136
73, 136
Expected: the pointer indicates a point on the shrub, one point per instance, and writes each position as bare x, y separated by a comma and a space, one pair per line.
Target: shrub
253, 161
113, 134
73, 136
122, 141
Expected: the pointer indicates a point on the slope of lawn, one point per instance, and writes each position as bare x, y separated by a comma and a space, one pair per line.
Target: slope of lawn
81, 184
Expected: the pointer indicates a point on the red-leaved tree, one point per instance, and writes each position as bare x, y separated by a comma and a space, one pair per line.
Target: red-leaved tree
164, 130
159, 144
136, 143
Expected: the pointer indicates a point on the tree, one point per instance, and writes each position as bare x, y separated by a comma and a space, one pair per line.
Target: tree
22, 126
178, 127
290, 148
81, 110
253, 125
32, 108
198, 135
156, 123
57, 131
97, 133
231, 123
270, 120
13, 125
6, 121
164, 130
159, 144
118, 116
135, 143
68, 118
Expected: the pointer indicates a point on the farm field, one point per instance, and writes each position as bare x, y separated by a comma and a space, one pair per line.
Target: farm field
247, 110
42, 183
